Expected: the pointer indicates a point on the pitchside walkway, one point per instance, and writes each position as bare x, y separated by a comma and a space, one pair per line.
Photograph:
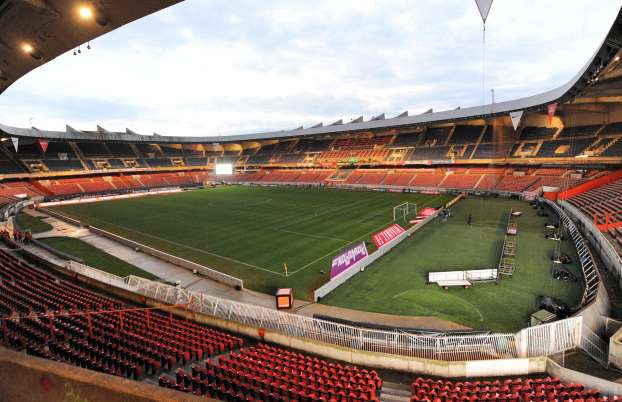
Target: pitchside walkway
172, 273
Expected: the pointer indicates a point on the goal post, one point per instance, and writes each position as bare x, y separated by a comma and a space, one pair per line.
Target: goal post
405, 210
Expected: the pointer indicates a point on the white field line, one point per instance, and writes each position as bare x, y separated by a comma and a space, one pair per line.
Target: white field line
195, 249
291, 273
358, 238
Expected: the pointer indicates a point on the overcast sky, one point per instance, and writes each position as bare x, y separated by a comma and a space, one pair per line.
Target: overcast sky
209, 67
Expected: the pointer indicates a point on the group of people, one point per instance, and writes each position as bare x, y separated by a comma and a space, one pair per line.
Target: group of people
23, 237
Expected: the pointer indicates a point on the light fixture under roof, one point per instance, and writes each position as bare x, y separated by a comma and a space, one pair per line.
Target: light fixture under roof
86, 12
27, 48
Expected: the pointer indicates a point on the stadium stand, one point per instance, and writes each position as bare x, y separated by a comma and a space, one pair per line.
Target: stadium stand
579, 131
466, 134
602, 200
270, 373
537, 133
55, 319
518, 389
406, 140
461, 181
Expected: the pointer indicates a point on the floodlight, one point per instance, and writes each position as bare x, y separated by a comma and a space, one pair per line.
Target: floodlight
85, 12
224, 168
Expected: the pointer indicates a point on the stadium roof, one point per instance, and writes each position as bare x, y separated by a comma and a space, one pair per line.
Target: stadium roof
33, 32
600, 77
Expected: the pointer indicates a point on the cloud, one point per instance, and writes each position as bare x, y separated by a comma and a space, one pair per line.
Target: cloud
209, 67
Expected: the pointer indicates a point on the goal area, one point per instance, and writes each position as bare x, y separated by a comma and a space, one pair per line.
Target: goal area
404, 211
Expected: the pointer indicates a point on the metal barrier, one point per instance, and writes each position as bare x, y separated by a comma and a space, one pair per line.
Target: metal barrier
611, 258
97, 274
531, 342
586, 260
594, 346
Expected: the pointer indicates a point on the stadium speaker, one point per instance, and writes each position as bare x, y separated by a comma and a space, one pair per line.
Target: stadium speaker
101, 18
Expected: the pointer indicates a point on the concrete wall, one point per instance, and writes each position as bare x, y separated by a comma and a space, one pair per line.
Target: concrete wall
202, 270
570, 376
60, 216
25, 378
615, 349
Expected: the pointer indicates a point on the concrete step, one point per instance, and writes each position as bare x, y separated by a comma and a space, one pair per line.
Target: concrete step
395, 392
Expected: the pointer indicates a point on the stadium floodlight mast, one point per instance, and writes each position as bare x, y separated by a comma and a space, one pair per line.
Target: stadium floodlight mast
404, 210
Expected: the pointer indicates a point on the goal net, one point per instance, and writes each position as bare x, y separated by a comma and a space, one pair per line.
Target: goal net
404, 211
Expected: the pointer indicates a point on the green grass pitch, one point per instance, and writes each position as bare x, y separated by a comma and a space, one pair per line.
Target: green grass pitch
250, 232
396, 283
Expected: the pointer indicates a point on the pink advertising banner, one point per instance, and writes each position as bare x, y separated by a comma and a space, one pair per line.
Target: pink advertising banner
348, 258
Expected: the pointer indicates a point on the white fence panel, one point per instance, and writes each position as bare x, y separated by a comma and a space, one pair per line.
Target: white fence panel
594, 346
548, 339
531, 342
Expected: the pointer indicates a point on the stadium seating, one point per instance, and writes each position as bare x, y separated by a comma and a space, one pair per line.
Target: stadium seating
515, 183
406, 140
461, 181
55, 319
466, 134
579, 131
360, 143
264, 373
537, 133
509, 390
436, 136
427, 180
602, 200
93, 149
461, 142
398, 178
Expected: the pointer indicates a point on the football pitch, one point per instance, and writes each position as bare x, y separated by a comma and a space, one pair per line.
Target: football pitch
253, 232
396, 284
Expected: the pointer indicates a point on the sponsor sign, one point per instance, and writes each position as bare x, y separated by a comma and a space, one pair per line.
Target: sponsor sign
388, 234
348, 258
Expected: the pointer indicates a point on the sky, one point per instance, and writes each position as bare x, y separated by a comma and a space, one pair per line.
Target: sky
222, 67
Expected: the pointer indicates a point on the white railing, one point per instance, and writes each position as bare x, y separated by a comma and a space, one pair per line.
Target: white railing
586, 260
97, 274
594, 346
531, 342
548, 339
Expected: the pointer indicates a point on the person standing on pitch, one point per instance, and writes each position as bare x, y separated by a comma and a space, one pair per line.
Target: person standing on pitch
469, 219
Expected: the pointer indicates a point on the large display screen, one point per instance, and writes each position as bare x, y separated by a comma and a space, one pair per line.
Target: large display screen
224, 168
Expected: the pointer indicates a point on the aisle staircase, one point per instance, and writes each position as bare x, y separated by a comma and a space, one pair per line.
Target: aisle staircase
394, 392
